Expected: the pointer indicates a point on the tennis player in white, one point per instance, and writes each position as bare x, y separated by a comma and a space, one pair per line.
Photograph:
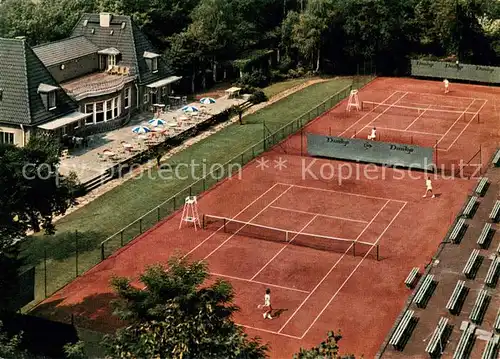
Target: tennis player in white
267, 304
446, 85
373, 135
428, 187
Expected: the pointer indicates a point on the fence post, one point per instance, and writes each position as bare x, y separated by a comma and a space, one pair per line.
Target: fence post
140, 222
242, 159
121, 238
264, 133
45, 270
76, 253
174, 203
204, 184
102, 251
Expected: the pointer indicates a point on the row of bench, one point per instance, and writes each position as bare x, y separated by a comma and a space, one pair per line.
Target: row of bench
460, 225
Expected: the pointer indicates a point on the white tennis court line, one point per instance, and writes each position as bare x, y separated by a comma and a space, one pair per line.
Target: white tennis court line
319, 214
380, 114
249, 221
352, 273
344, 193
463, 130
366, 114
269, 331
415, 120
409, 131
454, 123
258, 282
376, 215
240, 212
283, 248
445, 96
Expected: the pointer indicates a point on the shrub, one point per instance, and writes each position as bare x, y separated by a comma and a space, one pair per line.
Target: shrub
257, 97
255, 79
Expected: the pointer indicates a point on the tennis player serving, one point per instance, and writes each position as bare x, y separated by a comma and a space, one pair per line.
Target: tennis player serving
267, 304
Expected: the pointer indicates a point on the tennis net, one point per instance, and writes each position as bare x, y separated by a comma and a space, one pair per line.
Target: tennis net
435, 111
315, 241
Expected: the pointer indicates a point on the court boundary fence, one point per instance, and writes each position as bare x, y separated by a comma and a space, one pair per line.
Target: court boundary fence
78, 246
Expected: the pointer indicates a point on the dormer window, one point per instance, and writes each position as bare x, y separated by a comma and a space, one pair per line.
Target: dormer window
52, 100
111, 60
48, 94
108, 58
151, 61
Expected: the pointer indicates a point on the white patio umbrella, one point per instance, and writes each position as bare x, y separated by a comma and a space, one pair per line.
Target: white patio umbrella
141, 129
207, 100
156, 122
190, 109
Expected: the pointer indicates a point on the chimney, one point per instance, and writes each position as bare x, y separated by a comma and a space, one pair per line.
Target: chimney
104, 19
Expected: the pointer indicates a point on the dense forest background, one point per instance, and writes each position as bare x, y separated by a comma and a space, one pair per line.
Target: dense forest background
327, 36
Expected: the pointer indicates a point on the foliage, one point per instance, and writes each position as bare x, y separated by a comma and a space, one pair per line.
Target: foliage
256, 78
75, 351
258, 97
9, 346
180, 314
327, 349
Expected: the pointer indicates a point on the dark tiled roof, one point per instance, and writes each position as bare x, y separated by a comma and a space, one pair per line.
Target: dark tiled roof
128, 39
61, 51
21, 73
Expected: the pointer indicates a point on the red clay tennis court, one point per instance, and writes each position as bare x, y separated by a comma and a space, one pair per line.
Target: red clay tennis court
290, 223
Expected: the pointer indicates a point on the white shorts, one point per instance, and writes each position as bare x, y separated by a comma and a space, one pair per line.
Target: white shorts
429, 188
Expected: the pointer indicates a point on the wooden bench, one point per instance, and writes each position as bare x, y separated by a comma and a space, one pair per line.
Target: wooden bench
411, 277
455, 296
465, 342
397, 337
492, 272
496, 325
457, 230
483, 237
482, 186
496, 158
422, 291
469, 208
477, 310
494, 211
435, 341
471, 263
491, 350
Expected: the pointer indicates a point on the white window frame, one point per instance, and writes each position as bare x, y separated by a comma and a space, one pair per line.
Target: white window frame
51, 100
146, 98
111, 60
154, 65
126, 97
103, 112
7, 137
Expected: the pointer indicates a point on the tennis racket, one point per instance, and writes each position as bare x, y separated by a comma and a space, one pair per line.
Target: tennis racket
260, 306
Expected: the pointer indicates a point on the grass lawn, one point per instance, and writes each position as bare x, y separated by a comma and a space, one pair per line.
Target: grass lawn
278, 87
124, 204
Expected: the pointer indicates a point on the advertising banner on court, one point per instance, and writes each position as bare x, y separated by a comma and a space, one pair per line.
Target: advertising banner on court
383, 153
450, 70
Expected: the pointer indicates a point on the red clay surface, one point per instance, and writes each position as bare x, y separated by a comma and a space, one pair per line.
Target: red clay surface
316, 291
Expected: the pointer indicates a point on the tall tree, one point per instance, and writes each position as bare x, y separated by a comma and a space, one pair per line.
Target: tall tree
179, 315
328, 349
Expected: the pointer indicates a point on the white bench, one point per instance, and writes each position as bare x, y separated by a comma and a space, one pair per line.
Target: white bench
422, 291
469, 208
435, 341
397, 337
483, 237
455, 296
471, 263
464, 345
477, 310
411, 277
494, 211
496, 325
496, 158
492, 272
457, 230
482, 186
491, 350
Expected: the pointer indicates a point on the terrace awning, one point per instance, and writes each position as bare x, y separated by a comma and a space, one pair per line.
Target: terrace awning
65, 120
164, 82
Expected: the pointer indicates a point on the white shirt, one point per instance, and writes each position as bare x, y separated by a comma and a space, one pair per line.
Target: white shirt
374, 132
446, 83
428, 184
267, 300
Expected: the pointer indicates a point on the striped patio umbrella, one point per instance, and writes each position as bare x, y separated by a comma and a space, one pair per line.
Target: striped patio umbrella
190, 109
141, 129
207, 100
156, 122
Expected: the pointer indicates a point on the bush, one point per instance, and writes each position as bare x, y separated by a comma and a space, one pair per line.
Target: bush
247, 89
255, 79
257, 97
